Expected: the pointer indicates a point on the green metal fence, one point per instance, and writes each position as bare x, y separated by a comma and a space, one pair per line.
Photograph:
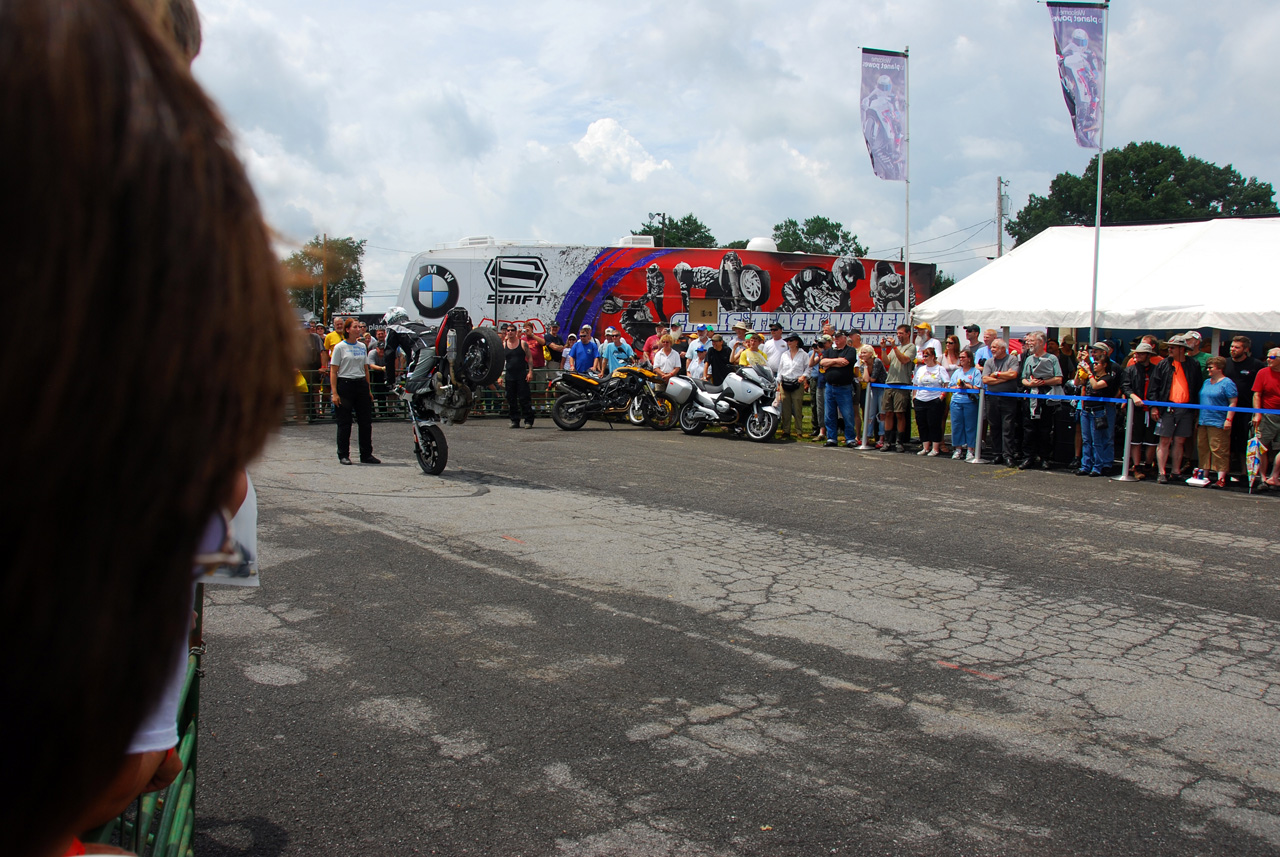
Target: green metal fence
161, 824
316, 406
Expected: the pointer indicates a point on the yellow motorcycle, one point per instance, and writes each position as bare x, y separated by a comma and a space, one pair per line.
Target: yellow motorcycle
631, 392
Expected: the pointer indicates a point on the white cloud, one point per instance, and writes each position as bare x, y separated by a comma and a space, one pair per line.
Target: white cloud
608, 146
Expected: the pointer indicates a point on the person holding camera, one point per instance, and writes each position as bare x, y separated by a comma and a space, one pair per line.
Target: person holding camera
1099, 380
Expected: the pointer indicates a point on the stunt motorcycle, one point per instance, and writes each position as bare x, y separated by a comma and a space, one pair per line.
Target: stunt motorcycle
446, 365
630, 391
744, 403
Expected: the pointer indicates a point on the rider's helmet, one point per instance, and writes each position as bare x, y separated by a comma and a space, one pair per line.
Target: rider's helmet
1079, 39
395, 315
883, 269
884, 84
846, 271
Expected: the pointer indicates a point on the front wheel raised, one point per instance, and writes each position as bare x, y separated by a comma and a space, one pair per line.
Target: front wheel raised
761, 425
481, 357
568, 412
690, 421
432, 450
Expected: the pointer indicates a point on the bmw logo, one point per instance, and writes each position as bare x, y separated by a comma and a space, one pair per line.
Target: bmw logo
435, 292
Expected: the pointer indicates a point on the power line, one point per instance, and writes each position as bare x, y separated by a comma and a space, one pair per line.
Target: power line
973, 226
392, 249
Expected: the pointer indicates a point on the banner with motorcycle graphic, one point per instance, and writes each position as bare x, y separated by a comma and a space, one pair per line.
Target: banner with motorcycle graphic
1079, 39
884, 111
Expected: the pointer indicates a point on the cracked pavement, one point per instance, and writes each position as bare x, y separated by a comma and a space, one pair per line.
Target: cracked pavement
705, 646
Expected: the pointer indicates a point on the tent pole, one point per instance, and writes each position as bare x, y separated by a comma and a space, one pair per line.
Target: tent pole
907, 293
1128, 447
977, 443
1097, 211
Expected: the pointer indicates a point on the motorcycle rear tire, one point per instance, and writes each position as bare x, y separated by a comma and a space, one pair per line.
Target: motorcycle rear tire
431, 450
481, 357
561, 417
689, 423
662, 415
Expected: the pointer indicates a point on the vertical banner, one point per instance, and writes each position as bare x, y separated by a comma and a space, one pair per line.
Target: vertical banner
884, 111
1078, 36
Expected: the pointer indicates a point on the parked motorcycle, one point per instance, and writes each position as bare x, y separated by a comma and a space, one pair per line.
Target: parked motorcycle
630, 392
744, 403
446, 365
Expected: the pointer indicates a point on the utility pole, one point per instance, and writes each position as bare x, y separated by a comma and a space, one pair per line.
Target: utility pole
1002, 211
662, 238
324, 275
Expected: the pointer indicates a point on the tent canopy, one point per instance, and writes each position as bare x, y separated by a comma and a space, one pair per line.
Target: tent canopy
1212, 273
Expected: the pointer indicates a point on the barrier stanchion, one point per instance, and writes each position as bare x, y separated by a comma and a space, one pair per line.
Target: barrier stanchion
1128, 447
977, 445
866, 420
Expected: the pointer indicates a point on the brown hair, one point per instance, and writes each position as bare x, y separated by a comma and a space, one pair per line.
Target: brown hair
123, 201
1220, 362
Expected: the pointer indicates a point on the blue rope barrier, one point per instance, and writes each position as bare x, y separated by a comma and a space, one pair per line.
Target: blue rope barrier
973, 391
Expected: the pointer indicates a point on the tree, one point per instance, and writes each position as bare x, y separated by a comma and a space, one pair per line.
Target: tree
740, 244
817, 235
1144, 182
338, 260
688, 231
942, 282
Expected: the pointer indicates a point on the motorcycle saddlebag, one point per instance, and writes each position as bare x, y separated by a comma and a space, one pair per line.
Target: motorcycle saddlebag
679, 389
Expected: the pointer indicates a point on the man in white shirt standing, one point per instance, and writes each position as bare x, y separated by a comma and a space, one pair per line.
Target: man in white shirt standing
774, 346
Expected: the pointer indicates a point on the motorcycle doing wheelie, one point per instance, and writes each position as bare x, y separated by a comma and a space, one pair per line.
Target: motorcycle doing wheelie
743, 403
446, 365
631, 391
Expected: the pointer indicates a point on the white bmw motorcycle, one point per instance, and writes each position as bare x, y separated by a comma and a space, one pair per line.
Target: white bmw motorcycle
743, 403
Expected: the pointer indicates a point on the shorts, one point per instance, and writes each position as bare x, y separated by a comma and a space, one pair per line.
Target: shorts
1176, 422
1269, 430
897, 401
1144, 428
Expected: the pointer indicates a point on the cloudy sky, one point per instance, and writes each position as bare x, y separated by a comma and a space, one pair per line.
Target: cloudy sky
410, 124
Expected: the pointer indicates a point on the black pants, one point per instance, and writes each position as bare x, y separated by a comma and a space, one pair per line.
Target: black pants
1037, 434
519, 399
353, 395
930, 417
1002, 415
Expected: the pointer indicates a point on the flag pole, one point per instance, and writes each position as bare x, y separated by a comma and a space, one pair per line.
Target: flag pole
907, 294
1097, 210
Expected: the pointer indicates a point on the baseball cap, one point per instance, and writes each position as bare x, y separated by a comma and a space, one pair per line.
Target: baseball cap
1178, 339
715, 337
972, 328
610, 331
701, 348
775, 326
924, 325
1144, 347
1192, 334
1100, 346
838, 333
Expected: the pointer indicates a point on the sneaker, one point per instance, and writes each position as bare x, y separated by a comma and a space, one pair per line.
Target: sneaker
850, 444
342, 460
369, 459
970, 458
923, 452
1162, 479
1094, 473
897, 447
514, 425
528, 425
831, 443
933, 453
957, 455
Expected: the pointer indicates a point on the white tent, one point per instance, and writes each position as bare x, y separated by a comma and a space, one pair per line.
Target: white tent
1213, 273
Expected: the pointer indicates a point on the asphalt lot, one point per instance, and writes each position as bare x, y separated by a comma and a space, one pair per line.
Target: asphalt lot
625, 642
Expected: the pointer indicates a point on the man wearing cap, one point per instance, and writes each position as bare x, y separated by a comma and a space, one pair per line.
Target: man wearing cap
1177, 380
899, 361
718, 362
615, 350
739, 340
972, 335
1000, 374
1266, 395
1135, 385
1041, 376
555, 345
586, 353
1098, 418
840, 363
703, 341
1194, 353
926, 339
774, 347
696, 361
